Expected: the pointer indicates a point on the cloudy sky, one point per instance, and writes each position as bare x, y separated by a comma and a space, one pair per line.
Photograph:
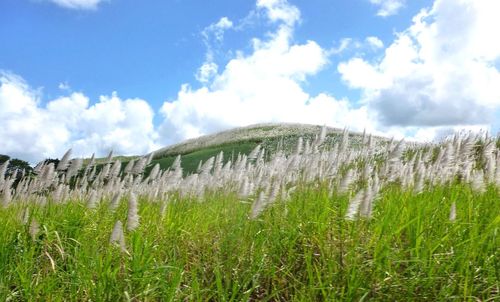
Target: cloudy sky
96, 75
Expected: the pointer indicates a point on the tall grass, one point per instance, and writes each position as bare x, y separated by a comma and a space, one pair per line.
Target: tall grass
424, 227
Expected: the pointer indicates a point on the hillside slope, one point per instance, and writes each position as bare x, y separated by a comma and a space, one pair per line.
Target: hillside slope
243, 140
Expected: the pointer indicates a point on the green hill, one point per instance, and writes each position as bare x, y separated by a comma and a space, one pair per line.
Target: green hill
243, 140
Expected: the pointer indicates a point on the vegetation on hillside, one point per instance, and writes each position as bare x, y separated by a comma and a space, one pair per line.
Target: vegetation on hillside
324, 221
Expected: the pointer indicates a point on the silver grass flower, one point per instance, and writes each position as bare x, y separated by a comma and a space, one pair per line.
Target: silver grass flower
346, 181
92, 200
150, 158
58, 193
219, 160
115, 201
25, 217
497, 171
207, 166
105, 171
63, 163
110, 157
258, 205
367, 203
300, 146
163, 206
154, 172
478, 181
322, 136
244, 188
48, 174
90, 164
275, 189
115, 169
490, 168
6, 196
354, 203
34, 229
489, 148
177, 163
255, 152
129, 167
260, 157
345, 141
133, 215
453, 212
118, 237
3, 171
92, 173
74, 167
307, 147
139, 166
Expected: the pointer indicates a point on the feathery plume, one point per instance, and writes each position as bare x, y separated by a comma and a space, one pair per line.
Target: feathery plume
133, 215
129, 167
115, 202
354, 204
255, 152
366, 206
74, 167
6, 196
118, 237
3, 171
115, 169
478, 181
346, 181
34, 229
154, 172
140, 165
322, 136
453, 212
110, 157
92, 201
258, 205
63, 163
300, 146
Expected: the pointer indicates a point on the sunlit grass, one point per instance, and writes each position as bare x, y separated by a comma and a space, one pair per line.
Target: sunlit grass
301, 250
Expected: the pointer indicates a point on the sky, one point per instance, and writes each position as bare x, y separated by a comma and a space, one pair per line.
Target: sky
132, 77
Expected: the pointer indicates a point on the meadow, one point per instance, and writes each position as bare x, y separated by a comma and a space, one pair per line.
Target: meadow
326, 221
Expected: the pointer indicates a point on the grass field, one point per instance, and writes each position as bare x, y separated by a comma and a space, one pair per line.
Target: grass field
303, 250
327, 222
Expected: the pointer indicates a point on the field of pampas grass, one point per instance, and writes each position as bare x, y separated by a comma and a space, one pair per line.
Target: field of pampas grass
325, 222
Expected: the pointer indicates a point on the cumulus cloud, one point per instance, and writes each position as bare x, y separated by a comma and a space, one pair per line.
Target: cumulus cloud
32, 131
440, 72
388, 7
78, 4
263, 86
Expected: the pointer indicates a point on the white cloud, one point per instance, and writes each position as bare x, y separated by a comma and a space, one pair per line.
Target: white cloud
217, 29
206, 72
388, 7
32, 131
375, 42
64, 86
263, 86
78, 4
213, 36
280, 11
440, 73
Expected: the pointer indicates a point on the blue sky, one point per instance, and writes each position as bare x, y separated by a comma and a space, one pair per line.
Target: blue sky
118, 74
149, 50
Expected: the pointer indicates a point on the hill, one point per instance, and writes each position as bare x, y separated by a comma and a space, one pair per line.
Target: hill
243, 140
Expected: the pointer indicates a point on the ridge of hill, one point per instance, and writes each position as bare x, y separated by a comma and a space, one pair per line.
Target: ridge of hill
243, 140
